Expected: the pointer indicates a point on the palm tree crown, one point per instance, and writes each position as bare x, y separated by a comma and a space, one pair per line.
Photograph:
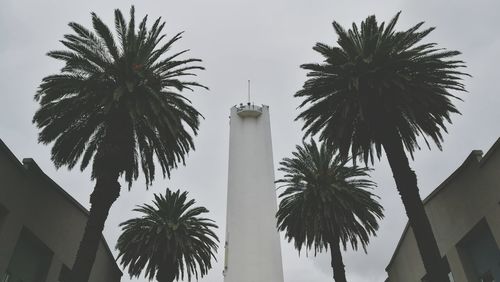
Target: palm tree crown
117, 100
325, 198
379, 80
169, 239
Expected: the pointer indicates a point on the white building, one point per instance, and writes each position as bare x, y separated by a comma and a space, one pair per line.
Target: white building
41, 227
252, 249
464, 212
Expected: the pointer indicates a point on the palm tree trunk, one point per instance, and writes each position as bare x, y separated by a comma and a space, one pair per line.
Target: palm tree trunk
337, 262
106, 191
406, 182
108, 163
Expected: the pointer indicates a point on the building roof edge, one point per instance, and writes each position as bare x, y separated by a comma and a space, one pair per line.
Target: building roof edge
29, 165
10, 155
490, 152
477, 157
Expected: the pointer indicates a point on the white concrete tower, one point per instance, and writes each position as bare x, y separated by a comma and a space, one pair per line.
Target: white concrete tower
252, 251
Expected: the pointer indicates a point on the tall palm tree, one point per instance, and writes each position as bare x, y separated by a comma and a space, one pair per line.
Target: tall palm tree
168, 240
116, 103
326, 203
382, 88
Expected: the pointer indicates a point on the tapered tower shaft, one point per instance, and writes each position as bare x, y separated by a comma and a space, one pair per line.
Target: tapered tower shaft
253, 252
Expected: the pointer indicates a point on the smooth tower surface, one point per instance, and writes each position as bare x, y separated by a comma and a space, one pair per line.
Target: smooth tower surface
252, 250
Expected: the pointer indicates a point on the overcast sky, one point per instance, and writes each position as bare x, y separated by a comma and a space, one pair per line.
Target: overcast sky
264, 41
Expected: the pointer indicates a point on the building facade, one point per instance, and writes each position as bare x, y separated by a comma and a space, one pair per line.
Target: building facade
464, 212
41, 227
252, 248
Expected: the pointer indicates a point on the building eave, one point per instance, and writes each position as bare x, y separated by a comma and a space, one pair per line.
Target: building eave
475, 156
4, 149
29, 166
490, 152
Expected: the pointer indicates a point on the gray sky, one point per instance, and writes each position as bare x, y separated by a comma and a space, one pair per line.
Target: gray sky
264, 41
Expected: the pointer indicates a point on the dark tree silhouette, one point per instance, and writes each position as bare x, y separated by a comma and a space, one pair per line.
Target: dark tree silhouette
382, 88
326, 203
169, 239
116, 103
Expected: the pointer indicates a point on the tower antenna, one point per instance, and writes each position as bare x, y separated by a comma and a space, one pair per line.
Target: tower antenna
249, 91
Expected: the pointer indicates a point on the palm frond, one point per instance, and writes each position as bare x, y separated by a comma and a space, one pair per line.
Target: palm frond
323, 198
119, 100
377, 79
170, 238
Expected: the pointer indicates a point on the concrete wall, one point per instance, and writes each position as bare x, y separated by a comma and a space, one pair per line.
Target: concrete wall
470, 195
253, 252
34, 202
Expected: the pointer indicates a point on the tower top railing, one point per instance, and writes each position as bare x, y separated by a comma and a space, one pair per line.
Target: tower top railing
248, 110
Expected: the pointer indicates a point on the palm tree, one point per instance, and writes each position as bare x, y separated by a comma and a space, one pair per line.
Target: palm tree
381, 88
116, 103
168, 240
326, 203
